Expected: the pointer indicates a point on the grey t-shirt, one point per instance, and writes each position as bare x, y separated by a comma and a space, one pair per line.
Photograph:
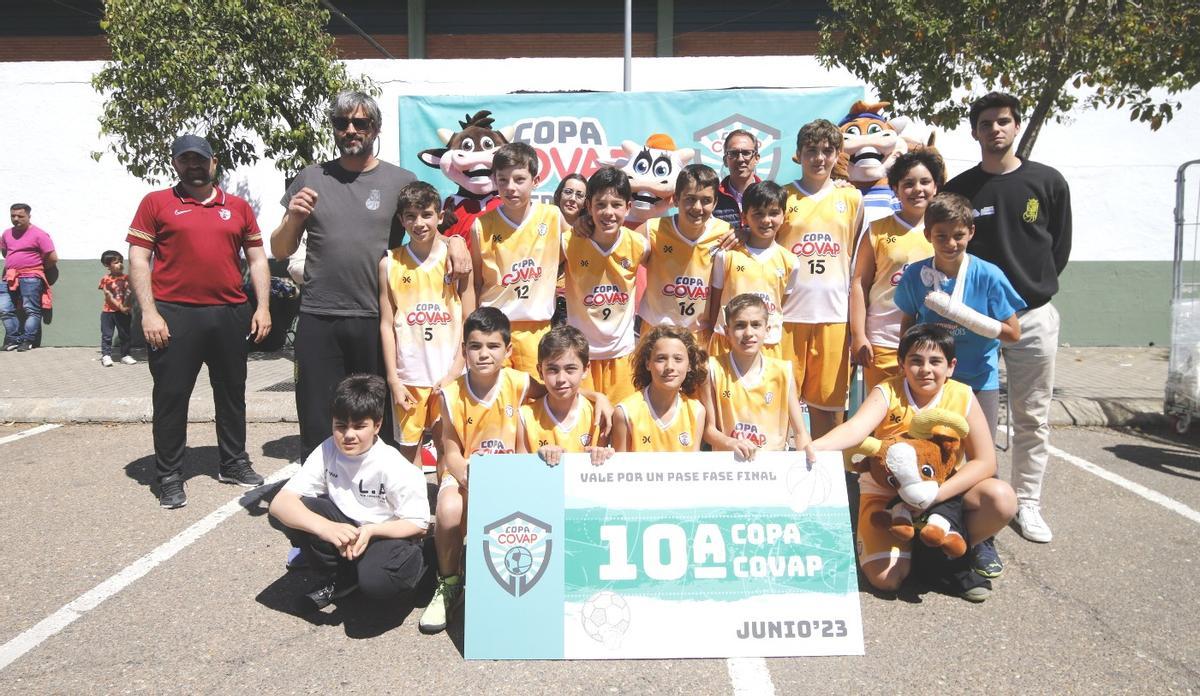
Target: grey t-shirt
351, 228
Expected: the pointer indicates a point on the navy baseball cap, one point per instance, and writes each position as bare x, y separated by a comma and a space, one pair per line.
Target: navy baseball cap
191, 143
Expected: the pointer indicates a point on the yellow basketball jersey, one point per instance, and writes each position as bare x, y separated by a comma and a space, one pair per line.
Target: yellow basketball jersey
542, 428
770, 273
648, 432
429, 319
955, 396
819, 229
678, 273
487, 424
753, 406
520, 261
896, 244
600, 290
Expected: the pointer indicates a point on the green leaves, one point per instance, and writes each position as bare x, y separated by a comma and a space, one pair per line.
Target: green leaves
241, 72
932, 57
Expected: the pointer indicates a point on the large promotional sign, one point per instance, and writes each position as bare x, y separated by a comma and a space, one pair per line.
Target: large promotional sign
660, 555
581, 132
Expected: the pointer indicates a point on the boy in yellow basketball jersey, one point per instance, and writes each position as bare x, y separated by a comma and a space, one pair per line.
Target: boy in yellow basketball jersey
561, 421
515, 251
888, 247
760, 266
601, 258
682, 247
479, 416
421, 310
750, 399
927, 359
820, 227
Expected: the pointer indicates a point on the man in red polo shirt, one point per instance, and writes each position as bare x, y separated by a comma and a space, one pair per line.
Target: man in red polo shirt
194, 310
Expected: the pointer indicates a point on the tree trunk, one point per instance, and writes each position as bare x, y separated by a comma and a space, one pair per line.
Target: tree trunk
1033, 123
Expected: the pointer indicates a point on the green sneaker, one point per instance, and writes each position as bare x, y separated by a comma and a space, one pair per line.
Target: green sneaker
445, 598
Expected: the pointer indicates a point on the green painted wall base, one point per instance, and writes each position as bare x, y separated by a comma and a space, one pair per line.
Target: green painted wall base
1103, 303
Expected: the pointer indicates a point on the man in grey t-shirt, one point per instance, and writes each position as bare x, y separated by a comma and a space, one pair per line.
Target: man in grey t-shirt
348, 208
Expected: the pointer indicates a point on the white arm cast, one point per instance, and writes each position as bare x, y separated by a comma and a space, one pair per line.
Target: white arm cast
963, 315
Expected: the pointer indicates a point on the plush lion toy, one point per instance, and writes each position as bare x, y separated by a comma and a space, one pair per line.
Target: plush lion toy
915, 465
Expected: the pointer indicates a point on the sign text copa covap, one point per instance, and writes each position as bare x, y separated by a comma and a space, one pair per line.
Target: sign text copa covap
709, 557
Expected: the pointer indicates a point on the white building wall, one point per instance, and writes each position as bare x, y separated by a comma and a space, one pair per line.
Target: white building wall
1121, 173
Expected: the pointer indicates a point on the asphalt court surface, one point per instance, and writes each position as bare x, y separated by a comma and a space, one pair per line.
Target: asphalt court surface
1109, 606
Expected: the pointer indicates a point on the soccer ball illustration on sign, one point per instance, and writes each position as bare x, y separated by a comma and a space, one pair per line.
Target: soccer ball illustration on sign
605, 618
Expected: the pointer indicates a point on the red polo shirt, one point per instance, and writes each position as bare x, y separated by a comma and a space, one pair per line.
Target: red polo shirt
196, 245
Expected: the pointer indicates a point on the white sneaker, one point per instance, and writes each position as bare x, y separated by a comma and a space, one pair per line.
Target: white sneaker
128, 360
106, 361
1031, 525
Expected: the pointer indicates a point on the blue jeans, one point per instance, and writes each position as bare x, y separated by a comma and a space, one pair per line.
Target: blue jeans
29, 293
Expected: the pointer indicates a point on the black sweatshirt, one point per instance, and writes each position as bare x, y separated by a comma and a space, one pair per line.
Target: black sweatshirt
1022, 224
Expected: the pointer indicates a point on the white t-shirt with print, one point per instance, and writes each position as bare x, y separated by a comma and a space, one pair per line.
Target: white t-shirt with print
377, 486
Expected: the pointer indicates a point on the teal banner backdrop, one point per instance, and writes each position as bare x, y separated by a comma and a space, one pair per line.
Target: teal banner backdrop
660, 555
581, 131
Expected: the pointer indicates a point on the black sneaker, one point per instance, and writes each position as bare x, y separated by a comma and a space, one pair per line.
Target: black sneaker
11, 346
329, 591
241, 473
25, 347
171, 494
986, 561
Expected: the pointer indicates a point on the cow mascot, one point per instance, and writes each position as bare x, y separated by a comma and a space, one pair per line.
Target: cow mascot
466, 160
652, 170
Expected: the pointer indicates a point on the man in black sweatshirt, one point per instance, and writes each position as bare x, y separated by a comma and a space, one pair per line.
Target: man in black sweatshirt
1023, 225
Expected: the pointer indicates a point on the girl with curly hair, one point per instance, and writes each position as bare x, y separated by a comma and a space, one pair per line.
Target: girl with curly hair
665, 415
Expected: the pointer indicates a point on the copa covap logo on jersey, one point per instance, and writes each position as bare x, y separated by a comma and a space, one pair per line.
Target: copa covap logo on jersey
517, 549
526, 270
817, 244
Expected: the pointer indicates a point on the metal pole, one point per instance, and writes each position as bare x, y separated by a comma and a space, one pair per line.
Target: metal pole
628, 44
357, 29
1177, 267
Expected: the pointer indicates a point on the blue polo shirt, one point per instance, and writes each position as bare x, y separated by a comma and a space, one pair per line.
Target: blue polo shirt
987, 291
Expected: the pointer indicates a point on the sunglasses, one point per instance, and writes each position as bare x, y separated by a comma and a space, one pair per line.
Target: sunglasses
342, 123
741, 154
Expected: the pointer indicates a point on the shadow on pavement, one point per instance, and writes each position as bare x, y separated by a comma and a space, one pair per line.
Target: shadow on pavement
286, 448
359, 617
197, 461
1173, 460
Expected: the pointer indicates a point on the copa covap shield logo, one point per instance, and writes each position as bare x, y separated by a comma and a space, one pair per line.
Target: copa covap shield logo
517, 549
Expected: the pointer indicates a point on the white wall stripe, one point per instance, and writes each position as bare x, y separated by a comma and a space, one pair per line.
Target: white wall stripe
49, 626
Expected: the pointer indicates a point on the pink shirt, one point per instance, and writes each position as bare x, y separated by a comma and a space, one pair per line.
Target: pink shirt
27, 249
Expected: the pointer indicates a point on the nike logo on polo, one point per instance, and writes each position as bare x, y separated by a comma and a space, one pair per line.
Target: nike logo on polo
182, 212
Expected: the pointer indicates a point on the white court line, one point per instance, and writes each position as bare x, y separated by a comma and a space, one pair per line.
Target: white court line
750, 676
47, 627
1136, 488
28, 433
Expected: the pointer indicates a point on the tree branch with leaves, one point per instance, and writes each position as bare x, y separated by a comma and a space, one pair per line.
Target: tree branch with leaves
931, 58
240, 72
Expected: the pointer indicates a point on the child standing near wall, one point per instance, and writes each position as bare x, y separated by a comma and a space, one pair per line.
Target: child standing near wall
115, 315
